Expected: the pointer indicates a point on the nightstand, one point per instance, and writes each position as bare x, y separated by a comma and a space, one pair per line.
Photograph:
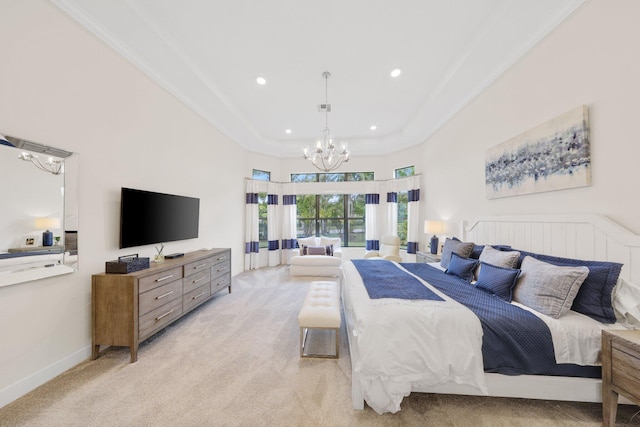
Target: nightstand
425, 257
620, 371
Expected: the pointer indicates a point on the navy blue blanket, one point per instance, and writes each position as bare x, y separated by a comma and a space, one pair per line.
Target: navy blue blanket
515, 341
383, 279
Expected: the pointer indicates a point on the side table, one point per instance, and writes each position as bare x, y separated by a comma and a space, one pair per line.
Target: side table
425, 257
620, 371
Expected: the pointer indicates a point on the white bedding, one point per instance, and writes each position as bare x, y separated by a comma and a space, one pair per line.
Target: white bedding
400, 343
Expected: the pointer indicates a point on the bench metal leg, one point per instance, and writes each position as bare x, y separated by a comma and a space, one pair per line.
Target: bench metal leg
303, 339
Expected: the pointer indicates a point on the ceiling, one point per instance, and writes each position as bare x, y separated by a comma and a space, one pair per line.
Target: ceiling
208, 53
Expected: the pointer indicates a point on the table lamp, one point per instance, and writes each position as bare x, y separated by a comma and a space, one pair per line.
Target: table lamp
435, 228
47, 223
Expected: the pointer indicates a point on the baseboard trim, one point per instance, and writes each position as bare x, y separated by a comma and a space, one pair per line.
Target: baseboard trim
19, 389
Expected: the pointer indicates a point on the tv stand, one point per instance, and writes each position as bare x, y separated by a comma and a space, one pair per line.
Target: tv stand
126, 309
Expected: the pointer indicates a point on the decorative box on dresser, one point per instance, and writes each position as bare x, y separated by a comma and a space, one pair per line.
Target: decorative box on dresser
620, 370
128, 308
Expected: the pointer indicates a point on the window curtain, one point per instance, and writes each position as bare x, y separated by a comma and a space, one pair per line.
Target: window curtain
372, 236
251, 237
289, 212
391, 228
273, 231
413, 228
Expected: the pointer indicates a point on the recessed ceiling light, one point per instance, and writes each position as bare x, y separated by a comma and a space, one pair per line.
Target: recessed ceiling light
288, 131
261, 81
396, 72
373, 127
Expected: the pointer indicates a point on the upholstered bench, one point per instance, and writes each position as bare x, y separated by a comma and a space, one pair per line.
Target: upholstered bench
315, 265
320, 310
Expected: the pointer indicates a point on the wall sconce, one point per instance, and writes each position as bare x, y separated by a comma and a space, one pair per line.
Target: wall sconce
53, 166
435, 228
46, 223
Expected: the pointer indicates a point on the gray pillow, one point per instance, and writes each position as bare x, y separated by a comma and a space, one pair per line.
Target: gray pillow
548, 288
454, 246
490, 255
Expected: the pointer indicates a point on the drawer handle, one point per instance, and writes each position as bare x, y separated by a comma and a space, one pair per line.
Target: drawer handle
198, 296
220, 258
197, 280
164, 295
164, 315
220, 269
199, 266
164, 278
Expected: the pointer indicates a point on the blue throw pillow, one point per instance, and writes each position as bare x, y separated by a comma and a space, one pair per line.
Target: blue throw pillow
594, 298
497, 280
462, 267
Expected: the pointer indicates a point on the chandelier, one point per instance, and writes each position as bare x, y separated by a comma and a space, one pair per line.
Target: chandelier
326, 156
53, 166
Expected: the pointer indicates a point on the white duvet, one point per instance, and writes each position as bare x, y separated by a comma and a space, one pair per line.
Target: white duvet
400, 344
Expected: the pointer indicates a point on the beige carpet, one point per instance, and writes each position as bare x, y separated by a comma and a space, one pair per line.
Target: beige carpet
235, 362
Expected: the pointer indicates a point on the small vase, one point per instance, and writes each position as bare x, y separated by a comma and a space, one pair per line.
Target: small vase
159, 258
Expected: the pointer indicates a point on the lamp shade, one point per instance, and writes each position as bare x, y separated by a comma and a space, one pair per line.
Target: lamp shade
433, 227
47, 223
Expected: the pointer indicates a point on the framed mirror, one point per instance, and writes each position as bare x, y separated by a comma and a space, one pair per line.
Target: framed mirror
39, 211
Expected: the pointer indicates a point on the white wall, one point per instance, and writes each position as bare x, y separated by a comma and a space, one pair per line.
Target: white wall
60, 86
589, 59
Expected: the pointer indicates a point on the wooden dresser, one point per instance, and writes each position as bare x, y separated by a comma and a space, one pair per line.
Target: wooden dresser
620, 371
127, 309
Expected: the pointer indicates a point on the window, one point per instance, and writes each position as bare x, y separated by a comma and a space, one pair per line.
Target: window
406, 171
332, 177
403, 203
261, 175
263, 236
332, 215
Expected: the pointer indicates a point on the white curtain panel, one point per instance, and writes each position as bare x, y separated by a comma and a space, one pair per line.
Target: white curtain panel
273, 224
251, 237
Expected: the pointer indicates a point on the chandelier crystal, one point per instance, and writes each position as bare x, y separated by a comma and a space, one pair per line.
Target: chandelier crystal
326, 156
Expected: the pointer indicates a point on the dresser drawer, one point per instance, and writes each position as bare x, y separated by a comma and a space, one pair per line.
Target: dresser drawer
196, 280
196, 297
159, 318
220, 269
198, 266
154, 280
159, 296
222, 256
220, 283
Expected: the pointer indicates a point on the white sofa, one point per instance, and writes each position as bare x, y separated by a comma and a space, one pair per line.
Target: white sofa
317, 265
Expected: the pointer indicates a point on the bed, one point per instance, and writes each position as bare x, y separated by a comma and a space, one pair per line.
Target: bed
401, 344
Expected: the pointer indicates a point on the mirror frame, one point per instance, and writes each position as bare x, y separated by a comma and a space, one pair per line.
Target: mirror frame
22, 270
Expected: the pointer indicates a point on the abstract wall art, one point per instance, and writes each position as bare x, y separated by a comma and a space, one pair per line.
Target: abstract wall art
552, 156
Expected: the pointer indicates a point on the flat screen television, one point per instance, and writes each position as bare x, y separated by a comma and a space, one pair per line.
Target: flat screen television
147, 217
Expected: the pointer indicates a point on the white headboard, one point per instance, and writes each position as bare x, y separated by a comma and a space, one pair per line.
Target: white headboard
581, 236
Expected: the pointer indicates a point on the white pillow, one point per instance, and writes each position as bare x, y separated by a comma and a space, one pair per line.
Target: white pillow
326, 241
307, 241
626, 303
